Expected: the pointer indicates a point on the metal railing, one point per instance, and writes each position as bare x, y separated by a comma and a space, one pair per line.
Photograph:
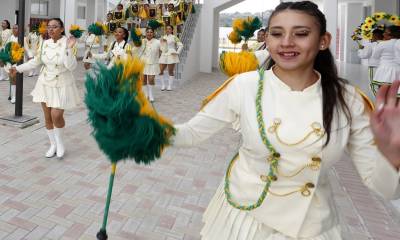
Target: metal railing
186, 37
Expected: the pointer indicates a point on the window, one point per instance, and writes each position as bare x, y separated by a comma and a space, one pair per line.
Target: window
40, 7
81, 12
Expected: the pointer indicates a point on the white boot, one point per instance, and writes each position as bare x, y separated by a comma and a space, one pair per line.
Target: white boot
13, 92
52, 150
151, 97
170, 82
146, 93
162, 78
58, 133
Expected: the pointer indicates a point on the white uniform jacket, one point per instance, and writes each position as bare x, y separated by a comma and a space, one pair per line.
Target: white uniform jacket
366, 53
152, 51
5, 37
58, 63
298, 114
115, 51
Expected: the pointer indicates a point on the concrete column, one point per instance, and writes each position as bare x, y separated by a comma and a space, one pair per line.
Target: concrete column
68, 10
341, 26
330, 9
353, 16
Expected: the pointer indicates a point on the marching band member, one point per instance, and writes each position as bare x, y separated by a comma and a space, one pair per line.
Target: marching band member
55, 88
118, 49
5, 38
171, 47
151, 58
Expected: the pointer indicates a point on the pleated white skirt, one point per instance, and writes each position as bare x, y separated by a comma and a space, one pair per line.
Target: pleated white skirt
223, 222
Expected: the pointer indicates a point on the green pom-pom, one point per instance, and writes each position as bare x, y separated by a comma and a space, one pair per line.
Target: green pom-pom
5, 54
154, 24
250, 27
76, 33
96, 29
136, 38
114, 113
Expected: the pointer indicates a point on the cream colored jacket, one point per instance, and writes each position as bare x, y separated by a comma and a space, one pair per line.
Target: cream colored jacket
57, 60
297, 214
152, 51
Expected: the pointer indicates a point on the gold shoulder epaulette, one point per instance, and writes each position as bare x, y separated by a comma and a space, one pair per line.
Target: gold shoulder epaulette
216, 92
369, 105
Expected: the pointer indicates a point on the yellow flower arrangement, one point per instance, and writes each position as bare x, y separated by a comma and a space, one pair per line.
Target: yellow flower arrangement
371, 23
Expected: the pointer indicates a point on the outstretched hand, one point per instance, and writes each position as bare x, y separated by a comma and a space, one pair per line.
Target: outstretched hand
385, 123
71, 42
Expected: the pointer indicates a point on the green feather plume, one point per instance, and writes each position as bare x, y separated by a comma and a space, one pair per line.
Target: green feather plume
124, 123
136, 36
249, 27
5, 54
96, 28
154, 24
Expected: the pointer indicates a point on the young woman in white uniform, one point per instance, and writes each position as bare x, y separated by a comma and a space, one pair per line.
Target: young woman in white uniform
389, 67
151, 58
55, 88
5, 38
171, 47
296, 120
120, 48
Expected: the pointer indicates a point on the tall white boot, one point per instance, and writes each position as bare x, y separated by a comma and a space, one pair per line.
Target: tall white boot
13, 93
52, 150
150, 88
59, 133
146, 93
162, 78
170, 82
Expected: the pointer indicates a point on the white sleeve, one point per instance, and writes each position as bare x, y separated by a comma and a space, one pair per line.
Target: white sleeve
376, 172
31, 64
261, 56
377, 51
366, 52
70, 61
179, 46
217, 114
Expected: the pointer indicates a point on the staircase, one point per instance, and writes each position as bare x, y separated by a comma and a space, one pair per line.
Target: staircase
186, 38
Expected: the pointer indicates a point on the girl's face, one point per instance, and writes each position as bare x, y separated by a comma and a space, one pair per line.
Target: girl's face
4, 25
54, 29
119, 34
386, 35
149, 34
294, 40
169, 30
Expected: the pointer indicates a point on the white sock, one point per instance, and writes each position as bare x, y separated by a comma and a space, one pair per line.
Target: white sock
150, 88
13, 93
162, 79
170, 82
58, 133
146, 93
52, 150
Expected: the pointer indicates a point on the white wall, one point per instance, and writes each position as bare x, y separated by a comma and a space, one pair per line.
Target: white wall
7, 10
192, 61
353, 14
389, 6
209, 31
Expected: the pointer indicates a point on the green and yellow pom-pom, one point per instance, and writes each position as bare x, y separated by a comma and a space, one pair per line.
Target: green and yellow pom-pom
125, 124
234, 37
12, 53
96, 28
76, 31
154, 24
136, 36
232, 63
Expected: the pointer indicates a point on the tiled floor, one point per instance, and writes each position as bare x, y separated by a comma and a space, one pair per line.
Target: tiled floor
52, 199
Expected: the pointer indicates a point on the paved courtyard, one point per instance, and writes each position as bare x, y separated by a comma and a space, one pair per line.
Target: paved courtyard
64, 199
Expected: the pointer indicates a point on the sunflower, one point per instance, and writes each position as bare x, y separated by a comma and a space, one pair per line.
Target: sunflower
369, 20
379, 16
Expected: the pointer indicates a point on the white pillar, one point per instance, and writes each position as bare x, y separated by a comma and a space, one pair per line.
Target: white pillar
388, 6
207, 37
353, 17
331, 13
342, 27
68, 10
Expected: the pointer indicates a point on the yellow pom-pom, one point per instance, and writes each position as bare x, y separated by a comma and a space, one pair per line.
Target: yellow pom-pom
74, 27
42, 27
234, 63
238, 24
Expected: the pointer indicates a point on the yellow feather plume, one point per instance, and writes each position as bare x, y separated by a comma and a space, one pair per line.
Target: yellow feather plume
74, 27
17, 52
232, 63
234, 37
238, 24
42, 27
